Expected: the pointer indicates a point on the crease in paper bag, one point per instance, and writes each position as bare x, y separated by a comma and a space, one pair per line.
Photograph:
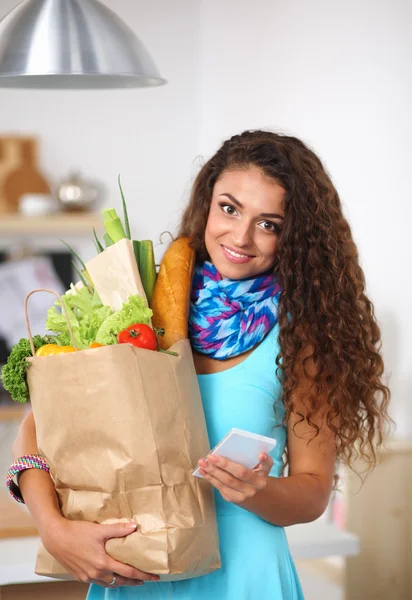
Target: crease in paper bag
64, 417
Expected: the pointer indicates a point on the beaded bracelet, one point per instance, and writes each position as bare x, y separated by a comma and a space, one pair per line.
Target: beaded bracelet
29, 461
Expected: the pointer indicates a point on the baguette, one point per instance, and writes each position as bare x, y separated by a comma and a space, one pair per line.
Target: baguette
171, 295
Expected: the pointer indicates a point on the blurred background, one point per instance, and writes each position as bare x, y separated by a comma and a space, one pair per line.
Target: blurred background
335, 74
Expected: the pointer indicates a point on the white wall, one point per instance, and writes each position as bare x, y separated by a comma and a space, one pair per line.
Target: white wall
146, 135
338, 75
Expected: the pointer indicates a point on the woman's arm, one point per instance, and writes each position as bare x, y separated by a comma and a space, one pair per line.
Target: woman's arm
299, 498
36, 485
303, 495
78, 546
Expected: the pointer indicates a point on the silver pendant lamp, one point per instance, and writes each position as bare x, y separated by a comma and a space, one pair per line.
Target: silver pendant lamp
71, 44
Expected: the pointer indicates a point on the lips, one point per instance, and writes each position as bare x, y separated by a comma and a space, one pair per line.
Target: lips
238, 251
244, 258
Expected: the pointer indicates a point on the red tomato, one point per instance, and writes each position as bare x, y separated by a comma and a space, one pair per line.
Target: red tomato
139, 335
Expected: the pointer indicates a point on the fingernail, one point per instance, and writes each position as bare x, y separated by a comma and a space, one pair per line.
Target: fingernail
131, 525
155, 578
202, 462
213, 458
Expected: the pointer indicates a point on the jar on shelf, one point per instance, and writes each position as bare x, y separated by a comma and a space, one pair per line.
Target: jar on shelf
77, 194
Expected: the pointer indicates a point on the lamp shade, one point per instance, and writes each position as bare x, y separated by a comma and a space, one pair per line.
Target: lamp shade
71, 44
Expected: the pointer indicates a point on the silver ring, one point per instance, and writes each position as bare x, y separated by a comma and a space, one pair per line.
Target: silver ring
113, 581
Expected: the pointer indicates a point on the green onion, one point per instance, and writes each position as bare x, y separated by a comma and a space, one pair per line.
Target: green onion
89, 280
79, 273
98, 245
74, 254
125, 215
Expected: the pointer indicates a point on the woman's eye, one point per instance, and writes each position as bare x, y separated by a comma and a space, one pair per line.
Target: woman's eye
228, 209
271, 227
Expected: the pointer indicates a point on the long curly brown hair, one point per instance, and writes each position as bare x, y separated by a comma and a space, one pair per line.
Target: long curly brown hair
323, 304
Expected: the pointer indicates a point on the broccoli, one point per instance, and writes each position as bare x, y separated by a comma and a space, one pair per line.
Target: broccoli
13, 374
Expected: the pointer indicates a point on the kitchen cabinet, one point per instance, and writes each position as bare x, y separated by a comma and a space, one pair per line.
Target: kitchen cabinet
379, 513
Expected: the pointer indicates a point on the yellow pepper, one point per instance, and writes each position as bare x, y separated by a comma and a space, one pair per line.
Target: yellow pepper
51, 349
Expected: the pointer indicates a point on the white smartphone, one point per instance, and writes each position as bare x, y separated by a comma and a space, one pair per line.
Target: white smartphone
242, 447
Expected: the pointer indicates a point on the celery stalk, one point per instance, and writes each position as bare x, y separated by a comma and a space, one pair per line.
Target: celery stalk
113, 225
136, 250
147, 268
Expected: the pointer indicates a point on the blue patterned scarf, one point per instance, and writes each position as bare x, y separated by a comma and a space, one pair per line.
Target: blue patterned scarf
230, 316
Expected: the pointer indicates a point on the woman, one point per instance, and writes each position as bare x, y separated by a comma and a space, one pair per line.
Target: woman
285, 344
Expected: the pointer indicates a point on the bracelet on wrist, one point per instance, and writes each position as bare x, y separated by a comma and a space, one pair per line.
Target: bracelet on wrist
29, 461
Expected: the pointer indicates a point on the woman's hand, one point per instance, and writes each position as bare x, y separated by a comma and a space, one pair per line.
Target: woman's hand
235, 482
80, 548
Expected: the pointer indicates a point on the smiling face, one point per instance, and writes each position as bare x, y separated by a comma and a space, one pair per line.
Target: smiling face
245, 217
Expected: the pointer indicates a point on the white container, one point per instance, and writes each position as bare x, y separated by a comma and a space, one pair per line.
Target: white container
36, 205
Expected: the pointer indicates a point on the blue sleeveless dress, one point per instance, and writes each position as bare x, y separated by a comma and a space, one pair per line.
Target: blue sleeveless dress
256, 563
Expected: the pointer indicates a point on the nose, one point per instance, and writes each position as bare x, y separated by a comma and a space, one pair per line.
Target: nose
242, 235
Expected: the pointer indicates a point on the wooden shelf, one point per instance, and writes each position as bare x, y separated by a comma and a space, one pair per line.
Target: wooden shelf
15, 521
13, 412
54, 224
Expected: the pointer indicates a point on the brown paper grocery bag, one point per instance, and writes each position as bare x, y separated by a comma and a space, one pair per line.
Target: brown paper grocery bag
122, 429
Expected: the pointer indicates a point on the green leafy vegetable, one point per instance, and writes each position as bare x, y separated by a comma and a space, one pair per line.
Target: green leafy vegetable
86, 314
93, 322
13, 374
133, 311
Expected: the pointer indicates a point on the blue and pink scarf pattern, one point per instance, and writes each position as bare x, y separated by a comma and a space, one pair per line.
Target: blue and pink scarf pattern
229, 316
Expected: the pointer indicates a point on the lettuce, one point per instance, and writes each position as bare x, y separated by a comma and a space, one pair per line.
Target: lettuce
133, 311
93, 322
86, 314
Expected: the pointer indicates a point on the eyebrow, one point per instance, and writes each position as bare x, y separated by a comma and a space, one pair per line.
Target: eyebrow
240, 205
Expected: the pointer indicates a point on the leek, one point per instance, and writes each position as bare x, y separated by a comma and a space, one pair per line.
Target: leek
108, 240
113, 225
